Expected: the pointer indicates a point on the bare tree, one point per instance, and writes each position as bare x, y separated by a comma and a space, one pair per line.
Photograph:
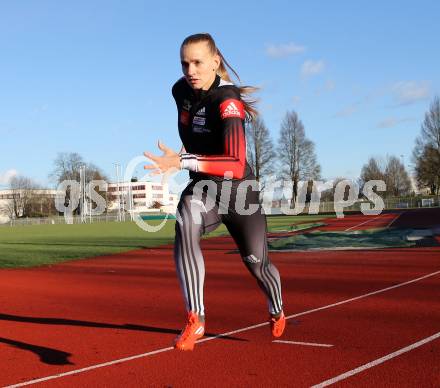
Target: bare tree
67, 166
396, 178
296, 153
372, 170
392, 172
328, 195
427, 168
42, 205
7, 208
260, 152
426, 153
22, 197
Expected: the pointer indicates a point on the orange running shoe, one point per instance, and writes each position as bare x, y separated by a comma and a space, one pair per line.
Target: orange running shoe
193, 330
277, 325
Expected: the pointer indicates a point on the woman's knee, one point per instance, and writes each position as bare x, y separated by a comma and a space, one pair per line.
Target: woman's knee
255, 264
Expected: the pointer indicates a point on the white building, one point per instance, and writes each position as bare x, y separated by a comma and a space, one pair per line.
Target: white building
143, 195
139, 196
6, 200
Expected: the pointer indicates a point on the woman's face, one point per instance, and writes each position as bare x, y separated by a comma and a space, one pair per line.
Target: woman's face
199, 65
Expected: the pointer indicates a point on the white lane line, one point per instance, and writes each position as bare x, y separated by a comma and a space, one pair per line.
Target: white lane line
394, 219
363, 223
302, 343
77, 371
364, 296
361, 368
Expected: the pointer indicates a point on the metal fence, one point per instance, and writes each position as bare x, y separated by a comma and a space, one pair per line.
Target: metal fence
60, 220
393, 203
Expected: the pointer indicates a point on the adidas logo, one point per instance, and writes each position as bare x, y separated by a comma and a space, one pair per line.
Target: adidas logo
231, 109
251, 259
201, 112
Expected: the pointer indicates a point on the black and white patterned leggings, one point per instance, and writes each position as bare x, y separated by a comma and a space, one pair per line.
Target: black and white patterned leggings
202, 211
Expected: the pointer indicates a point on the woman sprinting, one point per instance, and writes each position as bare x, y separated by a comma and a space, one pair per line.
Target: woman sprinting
211, 115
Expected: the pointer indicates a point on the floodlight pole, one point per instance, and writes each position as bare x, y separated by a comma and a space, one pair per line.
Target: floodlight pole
82, 184
130, 200
90, 204
118, 195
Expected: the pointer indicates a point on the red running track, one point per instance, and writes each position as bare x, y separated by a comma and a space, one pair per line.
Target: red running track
83, 314
349, 223
360, 222
411, 218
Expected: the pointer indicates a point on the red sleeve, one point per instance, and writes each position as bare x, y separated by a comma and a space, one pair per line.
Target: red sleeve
234, 157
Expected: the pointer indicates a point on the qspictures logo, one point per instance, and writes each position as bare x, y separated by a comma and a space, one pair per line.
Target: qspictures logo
347, 193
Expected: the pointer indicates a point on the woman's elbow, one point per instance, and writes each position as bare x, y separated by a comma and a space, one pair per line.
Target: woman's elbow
238, 173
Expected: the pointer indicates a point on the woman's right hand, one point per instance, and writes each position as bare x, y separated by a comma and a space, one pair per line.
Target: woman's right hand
168, 162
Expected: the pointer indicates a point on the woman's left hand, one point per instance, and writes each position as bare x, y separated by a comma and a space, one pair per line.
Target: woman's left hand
168, 162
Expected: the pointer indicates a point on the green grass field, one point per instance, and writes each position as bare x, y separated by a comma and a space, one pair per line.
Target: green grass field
27, 246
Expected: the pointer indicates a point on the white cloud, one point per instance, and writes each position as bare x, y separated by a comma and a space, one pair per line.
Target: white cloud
310, 68
4, 177
348, 111
284, 50
328, 86
364, 101
408, 92
391, 122
7, 131
404, 93
40, 109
